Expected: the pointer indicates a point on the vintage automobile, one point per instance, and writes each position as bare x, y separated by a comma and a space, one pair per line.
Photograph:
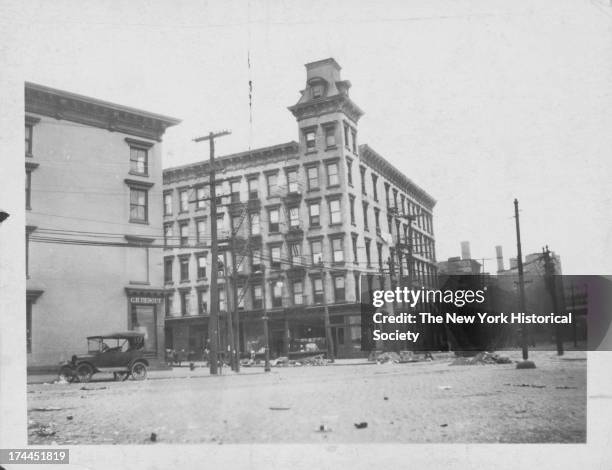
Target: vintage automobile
119, 353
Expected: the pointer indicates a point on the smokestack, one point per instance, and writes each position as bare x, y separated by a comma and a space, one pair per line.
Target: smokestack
465, 250
500, 258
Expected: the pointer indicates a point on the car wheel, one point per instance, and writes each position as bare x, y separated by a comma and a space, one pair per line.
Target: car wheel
84, 372
66, 374
139, 371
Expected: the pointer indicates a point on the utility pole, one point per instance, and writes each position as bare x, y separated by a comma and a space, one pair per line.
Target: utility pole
213, 322
328, 335
265, 319
236, 345
230, 328
549, 269
521, 281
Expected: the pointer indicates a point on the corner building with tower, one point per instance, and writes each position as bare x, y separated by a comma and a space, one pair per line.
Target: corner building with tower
298, 223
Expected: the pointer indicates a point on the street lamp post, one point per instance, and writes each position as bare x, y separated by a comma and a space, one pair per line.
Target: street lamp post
265, 319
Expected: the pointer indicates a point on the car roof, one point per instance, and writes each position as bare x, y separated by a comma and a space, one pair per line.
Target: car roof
120, 335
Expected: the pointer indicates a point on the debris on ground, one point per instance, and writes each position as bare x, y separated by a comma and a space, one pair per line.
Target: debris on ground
324, 428
361, 425
388, 357
93, 388
443, 425
565, 387
279, 408
526, 385
69, 418
385, 398
47, 408
153, 437
384, 357
480, 359
444, 387
45, 431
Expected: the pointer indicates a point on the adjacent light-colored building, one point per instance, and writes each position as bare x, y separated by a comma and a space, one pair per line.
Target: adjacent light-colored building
94, 223
310, 216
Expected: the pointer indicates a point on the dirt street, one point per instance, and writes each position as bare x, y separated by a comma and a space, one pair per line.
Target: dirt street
407, 403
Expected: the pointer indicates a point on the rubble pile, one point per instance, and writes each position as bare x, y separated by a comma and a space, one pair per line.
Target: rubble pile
482, 358
381, 357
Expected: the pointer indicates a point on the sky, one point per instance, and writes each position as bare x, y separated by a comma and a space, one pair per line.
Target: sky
478, 102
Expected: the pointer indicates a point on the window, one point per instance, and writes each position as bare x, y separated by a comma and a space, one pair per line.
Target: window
202, 302
254, 223
273, 216
298, 293
374, 189
355, 257
28, 189
219, 194
295, 252
235, 191
222, 299
310, 139
167, 203
390, 224
29, 130
221, 232
403, 199
168, 234
339, 289
184, 302
395, 198
275, 257
354, 140
362, 169
349, 171
221, 265
316, 248
317, 90
272, 183
352, 208
257, 297
168, 270
201, 198
292, 181
337, 250
347, 131
357, 282
377, 219
368, 254
330, 136
200, 230
138, 160
168, 304
184, 200
317, 290
184, 233
314, 210
380, 255
184, 264
277, 294
365, 215
294, 217
138, 205
332, 175
335, 215
387, 195
253, 188
313, 178
202, 266
236, 221
256, 261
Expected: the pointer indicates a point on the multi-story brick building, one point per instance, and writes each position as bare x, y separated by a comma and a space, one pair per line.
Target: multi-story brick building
94, 222
309, 218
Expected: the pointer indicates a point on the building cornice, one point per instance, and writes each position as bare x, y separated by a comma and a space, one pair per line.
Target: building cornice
59, 104
320, 107
237, 161
387, 170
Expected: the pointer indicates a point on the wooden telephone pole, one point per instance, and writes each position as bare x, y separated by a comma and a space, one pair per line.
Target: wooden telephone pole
521, 282
213, 322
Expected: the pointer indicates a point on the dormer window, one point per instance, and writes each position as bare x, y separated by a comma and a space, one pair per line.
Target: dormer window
317, 87
317, 91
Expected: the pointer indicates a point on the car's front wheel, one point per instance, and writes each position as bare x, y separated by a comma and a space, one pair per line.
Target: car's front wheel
84, 372
139, 371
66, 374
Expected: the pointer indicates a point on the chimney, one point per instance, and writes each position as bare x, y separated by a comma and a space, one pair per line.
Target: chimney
465, 250
500, 258
513, 263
